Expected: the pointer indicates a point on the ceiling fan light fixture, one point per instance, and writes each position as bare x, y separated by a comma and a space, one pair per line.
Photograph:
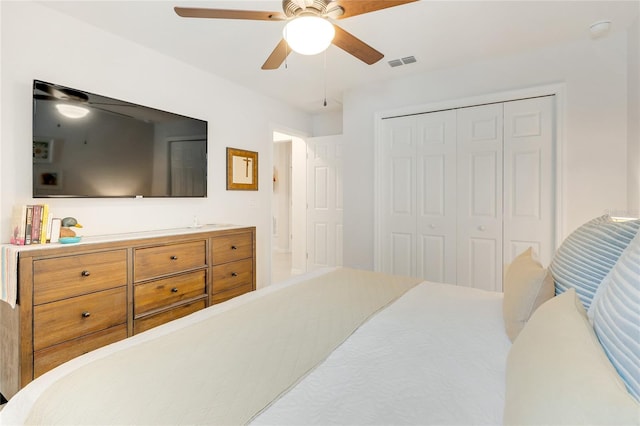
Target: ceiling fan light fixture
72, 111
309, 35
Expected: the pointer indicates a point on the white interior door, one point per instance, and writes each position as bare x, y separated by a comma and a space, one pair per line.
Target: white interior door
436, 196
528, 183
324, 198
398, 196
188, 167
479, 221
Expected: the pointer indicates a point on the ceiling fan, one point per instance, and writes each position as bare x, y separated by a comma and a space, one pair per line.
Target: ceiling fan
295, 10
73, 103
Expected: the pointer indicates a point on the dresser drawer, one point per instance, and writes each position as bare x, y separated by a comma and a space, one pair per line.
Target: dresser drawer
232, 247
152, 262
68, 319
232, 275
160, 293
151, 321
223, 296
51, 357
64, 277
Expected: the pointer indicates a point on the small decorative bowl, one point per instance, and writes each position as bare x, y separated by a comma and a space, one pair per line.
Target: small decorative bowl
69, 240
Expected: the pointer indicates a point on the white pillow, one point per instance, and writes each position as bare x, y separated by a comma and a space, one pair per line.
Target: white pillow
527, 285
558, 374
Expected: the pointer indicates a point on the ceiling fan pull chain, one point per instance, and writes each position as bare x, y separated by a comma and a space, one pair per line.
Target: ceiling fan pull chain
325, 78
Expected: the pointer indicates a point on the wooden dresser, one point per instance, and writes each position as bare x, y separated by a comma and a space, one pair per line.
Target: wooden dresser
76, 298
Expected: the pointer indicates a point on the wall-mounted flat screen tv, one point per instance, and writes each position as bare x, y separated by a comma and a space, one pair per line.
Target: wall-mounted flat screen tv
88, 145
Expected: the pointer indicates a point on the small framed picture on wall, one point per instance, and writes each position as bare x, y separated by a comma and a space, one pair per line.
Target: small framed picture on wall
42, 150
50, 178
242, 170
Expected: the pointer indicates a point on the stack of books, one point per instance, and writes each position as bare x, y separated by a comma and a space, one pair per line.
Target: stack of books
33, 224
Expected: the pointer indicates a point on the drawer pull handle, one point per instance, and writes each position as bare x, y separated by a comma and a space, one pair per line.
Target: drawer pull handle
174, 257
174, 290
234, 274
234, 248
86, 314
85, 273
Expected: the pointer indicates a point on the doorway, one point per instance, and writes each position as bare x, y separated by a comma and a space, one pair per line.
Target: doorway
288, 207
306, 204
281, 205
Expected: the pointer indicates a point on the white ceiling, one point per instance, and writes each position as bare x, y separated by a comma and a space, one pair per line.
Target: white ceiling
440, 34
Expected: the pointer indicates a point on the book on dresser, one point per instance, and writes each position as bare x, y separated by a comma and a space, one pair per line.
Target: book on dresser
31, 224
18, 225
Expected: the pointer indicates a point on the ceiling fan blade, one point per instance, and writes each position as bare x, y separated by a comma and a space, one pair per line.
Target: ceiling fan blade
356, 47
254, 15
40, 97
277, 57
53, 92
358, 7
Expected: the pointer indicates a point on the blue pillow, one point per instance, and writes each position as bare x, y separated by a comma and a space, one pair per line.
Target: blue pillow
588, 254
616, 316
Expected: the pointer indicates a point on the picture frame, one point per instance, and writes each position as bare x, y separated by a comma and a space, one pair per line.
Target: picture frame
242, 170
48, 178
42, 150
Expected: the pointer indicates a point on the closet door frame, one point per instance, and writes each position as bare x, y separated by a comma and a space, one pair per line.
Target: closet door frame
557, 90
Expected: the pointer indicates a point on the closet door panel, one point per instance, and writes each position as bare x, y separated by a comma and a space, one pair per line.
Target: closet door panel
398, 196
432, 264
482, 259
479, 184
436, 196
528, 185
482, 187
402, 186
402, 258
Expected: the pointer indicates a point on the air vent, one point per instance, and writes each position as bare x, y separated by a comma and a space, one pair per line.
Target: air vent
404, 61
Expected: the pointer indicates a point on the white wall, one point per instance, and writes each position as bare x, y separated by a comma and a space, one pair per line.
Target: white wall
595, 134
327, 123
634, 119
39, 43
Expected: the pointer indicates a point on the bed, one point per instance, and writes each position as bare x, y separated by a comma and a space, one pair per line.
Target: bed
343, 346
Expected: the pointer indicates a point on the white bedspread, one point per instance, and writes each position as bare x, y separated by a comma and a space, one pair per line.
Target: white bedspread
223, 368
437, 356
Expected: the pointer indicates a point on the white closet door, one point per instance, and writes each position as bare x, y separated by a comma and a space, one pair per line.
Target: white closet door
462, 192
528, 183
398, 196
479, 218
325, 207
436, 196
